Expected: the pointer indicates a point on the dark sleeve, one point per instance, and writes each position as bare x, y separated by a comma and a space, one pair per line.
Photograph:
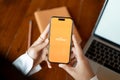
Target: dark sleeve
8, 71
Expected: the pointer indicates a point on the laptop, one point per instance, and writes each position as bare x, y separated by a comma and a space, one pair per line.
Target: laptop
103, 46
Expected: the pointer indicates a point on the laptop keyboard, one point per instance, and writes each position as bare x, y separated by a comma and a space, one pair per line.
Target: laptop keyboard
104, 55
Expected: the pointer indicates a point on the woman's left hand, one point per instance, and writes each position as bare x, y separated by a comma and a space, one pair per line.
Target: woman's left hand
38, 51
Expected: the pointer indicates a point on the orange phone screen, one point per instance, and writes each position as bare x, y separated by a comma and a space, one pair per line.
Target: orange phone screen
60, 39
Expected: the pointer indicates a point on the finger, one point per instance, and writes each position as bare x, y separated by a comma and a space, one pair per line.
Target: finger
73, 50
42, 36
66, 68
45, 53
46, 31
72, 56
73, 62
75, 41
48, 63
38, 41
42, 45
78, 50
75, 53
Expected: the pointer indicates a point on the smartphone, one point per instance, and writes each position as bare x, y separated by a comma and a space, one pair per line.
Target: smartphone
60, 39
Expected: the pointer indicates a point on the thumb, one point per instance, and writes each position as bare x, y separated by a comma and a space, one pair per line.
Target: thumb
42, 45
67, 68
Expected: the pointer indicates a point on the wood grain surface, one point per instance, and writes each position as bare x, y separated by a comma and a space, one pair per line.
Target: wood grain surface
14, 25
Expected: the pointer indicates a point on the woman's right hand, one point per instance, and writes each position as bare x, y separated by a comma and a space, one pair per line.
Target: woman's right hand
82, 69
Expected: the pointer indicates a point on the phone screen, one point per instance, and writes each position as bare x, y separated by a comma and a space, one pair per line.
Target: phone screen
60, 39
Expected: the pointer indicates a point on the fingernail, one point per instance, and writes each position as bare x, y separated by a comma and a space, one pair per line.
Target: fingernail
73, 35
60, 65
49, 66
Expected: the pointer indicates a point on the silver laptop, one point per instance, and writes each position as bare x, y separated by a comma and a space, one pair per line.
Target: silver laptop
103, 47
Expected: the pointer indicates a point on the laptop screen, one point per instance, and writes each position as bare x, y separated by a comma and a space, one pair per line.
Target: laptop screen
108, 26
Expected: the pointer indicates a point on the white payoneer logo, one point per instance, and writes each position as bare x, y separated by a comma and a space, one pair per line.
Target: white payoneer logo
60, 39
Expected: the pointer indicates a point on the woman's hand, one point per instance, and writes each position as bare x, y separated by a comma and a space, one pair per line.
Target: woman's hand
38, 51
82, 69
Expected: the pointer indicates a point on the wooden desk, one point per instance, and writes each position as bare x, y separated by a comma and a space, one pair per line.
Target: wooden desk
14, 19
